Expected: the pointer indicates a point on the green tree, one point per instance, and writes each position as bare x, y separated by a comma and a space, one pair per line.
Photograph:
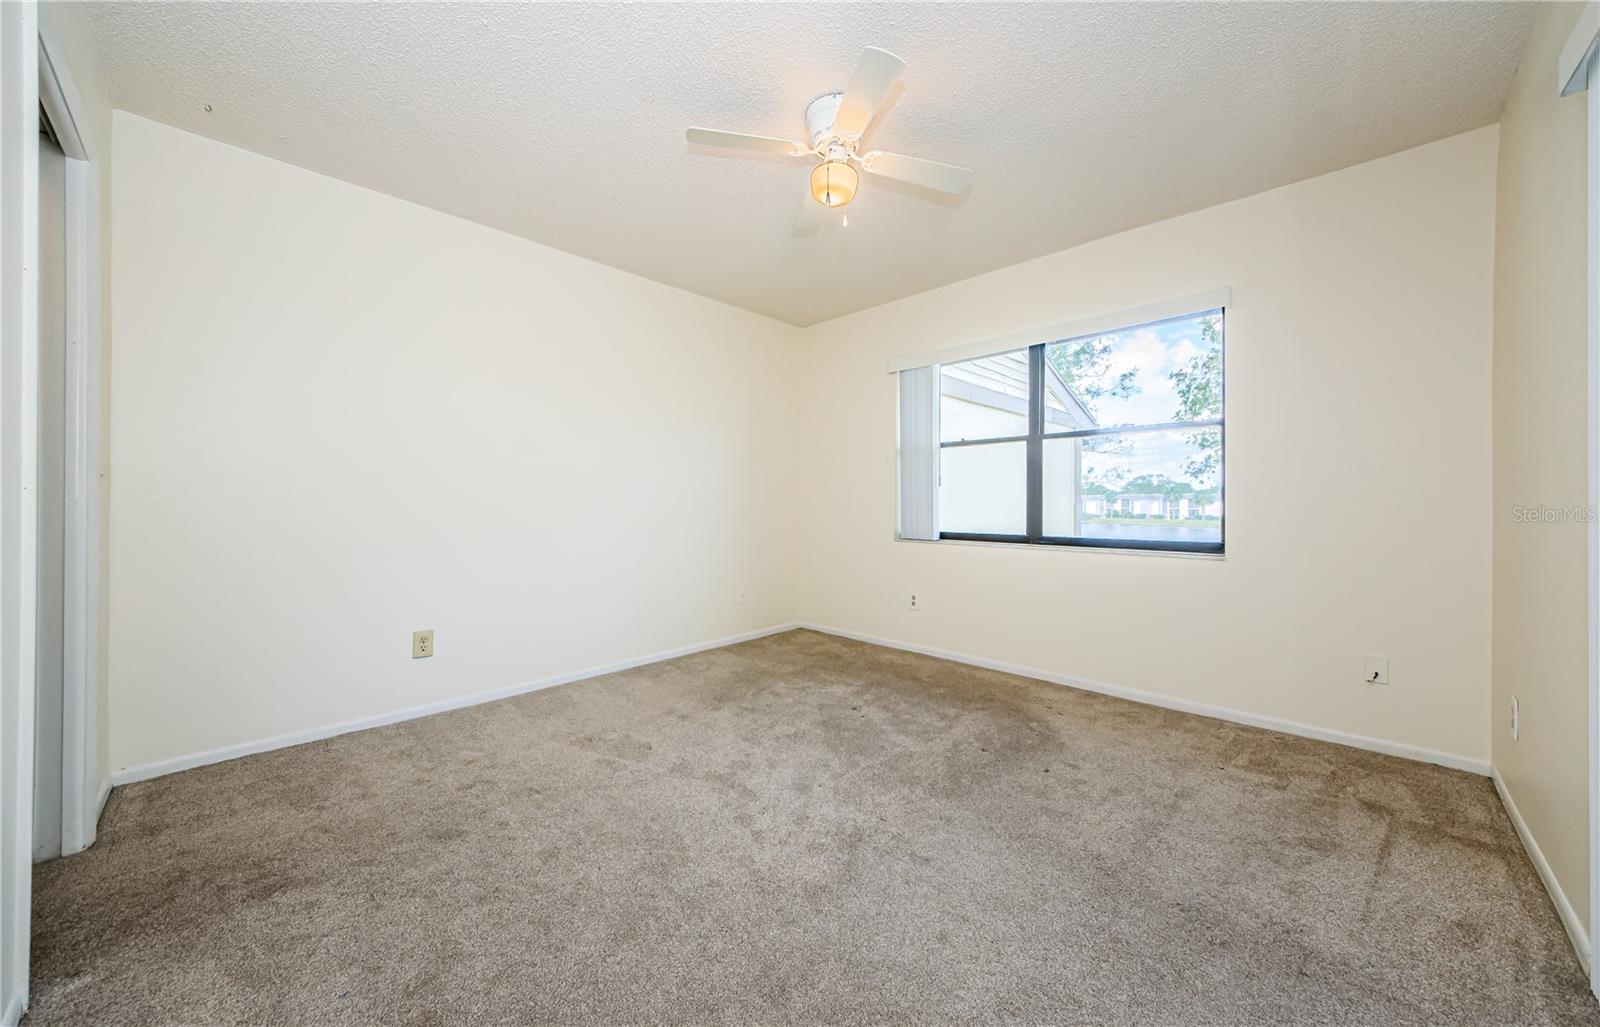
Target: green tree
1199, 387
1157, 484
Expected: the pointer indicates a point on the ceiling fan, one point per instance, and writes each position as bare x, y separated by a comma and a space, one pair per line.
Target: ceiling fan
835, 123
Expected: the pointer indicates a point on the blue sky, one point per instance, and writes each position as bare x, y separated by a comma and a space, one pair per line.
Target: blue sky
1152, 353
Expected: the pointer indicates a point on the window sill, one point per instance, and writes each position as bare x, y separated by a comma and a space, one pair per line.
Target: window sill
1118, 550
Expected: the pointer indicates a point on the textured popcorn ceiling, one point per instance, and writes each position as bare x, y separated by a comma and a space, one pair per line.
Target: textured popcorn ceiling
564, 123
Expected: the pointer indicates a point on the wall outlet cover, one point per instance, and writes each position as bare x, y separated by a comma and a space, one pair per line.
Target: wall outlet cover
421, 644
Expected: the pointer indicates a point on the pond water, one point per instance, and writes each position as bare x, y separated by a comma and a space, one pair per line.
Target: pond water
1153, 532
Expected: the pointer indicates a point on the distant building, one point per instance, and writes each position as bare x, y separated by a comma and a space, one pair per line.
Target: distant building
1140, 504
1152, 504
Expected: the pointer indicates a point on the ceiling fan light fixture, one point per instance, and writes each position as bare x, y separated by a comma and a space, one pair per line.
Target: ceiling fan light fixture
835, 126
834, 183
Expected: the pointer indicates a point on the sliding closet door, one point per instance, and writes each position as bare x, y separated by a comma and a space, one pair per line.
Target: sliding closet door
48, 670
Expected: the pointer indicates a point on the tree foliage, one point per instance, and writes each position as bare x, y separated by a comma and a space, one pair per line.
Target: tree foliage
1085, 367
1199, 388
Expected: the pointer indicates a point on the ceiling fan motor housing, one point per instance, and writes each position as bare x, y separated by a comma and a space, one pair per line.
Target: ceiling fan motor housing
820, 114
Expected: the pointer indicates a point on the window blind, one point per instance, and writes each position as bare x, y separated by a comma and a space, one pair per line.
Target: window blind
919, 453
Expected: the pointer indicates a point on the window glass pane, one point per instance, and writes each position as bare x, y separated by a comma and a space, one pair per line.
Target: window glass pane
986, 398
1149, 374
984, 489
1156, 485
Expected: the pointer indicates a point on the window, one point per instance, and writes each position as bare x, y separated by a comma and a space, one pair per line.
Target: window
1113, 439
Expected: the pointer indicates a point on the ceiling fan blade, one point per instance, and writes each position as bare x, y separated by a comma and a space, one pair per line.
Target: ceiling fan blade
869, 87
745, 141
947, 178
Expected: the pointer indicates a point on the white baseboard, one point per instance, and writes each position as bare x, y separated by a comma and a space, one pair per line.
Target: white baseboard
1568, 915
13, 1012
127, 775
1288, 727
100, 804
143, 772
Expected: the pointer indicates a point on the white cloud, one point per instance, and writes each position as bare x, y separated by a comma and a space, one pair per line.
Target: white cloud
1152, 354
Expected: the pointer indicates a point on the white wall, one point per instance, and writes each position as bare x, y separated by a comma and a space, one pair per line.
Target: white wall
1358, 365
1541, 461
340, 417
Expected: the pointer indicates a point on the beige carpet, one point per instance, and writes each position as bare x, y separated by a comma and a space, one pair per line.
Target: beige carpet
805, 829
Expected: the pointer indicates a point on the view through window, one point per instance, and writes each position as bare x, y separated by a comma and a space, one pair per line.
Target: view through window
1113, 439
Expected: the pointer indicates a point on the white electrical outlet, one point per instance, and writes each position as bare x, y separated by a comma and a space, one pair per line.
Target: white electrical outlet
1514, 724
1375, 669
741, 600
421, 644
911, 604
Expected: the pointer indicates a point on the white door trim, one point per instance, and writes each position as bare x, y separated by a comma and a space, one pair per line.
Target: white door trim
1572, 69
1575, 71
80, 773
24, 53
1591, 62
19, 352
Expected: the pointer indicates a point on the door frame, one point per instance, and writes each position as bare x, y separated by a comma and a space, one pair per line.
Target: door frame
84, 783
34, 71
19, 349
1578, 70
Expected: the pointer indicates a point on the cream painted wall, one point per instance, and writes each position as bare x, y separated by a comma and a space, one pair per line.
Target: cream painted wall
1358, 378
1540, 459
340, 417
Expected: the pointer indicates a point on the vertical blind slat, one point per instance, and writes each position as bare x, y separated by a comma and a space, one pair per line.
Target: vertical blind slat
919, 453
